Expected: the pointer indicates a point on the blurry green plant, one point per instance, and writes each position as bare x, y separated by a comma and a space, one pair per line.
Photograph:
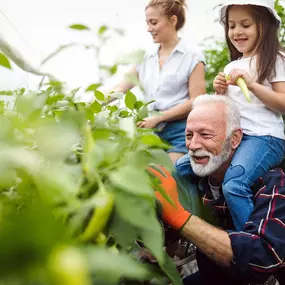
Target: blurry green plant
75, 194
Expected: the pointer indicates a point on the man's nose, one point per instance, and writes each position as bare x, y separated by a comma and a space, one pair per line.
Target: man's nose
195, 143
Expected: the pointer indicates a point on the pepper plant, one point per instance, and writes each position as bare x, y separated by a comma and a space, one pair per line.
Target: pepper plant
76, 199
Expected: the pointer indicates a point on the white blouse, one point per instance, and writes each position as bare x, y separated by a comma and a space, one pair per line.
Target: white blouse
168, 86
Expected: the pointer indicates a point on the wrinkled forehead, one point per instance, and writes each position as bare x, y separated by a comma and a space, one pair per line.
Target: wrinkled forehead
210, 117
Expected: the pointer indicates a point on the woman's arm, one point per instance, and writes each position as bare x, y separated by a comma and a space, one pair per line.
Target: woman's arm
197, 86
126, 83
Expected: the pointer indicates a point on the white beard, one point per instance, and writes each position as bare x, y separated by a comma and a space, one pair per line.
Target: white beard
215, 161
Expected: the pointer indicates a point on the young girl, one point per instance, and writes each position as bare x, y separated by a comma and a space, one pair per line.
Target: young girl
170, 74
251, 31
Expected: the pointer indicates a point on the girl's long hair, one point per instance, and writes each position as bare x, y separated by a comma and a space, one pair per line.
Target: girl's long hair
267, 46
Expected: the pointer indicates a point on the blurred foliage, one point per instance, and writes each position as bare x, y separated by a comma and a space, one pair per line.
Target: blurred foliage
217, 57
75, 194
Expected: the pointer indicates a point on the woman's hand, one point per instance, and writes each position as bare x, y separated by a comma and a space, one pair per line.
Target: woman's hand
150, 122
236, 73
220, 83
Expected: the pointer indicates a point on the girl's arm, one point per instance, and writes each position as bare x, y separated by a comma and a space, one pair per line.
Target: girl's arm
273, 99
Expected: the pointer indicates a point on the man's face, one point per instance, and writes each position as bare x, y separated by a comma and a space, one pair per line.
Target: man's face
206, 138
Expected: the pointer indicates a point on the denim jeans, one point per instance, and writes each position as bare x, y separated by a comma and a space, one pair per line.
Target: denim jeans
254, 157
174, 133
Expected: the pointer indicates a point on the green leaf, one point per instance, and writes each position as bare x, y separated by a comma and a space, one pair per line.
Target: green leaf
130, 100
4, 61
93, 87
102, 30
113, 109
99, 95
79, 27
124, 233
143, 112
116, 265
113, 69
169, 268
53, 99
132, 180
7, 93
101, 134
96, 107
151, 140
124, 114
138, 105
161, 157
138, 211
153, 240
56, 184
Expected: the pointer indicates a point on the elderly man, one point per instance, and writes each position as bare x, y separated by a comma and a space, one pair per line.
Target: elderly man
224, 256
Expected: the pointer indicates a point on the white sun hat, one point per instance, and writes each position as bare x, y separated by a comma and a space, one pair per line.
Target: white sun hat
269, 4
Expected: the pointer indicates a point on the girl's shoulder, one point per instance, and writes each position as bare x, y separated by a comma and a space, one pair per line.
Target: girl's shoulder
280, 57
242, 63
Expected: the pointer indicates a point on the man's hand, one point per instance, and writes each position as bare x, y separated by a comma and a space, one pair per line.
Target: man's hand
176, 216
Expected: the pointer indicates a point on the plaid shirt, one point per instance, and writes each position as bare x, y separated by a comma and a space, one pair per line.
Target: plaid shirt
259, 250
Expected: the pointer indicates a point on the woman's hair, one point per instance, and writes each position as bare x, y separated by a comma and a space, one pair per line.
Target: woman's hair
170, 8
267, 46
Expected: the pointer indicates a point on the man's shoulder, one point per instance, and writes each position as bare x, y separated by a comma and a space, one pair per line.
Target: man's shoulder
183, 166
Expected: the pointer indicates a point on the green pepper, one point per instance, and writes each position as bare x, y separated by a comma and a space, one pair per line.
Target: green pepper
104, 205
68, 266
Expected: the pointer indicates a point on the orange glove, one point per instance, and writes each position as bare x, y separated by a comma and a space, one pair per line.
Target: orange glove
176, 216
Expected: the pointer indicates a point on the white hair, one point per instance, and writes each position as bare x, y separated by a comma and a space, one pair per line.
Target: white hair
231, 109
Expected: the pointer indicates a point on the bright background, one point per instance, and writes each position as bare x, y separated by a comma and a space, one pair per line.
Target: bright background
36, 28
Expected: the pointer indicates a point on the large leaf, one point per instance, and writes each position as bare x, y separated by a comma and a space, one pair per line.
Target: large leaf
111, 266
130, 100
161, 157
137, 211
152, 140
153, 240
99, 95
56, 184
169, 268
124, 233
132, 180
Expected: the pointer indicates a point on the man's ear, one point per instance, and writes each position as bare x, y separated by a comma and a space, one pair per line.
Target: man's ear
236, 138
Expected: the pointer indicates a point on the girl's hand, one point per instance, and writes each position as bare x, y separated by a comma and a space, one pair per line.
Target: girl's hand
236, 73
220, 83
150, 122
